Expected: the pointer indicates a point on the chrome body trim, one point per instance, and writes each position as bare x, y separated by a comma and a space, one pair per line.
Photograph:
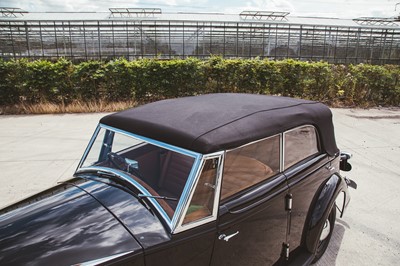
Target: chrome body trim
102, 260
254, 142
346, 155
180, 227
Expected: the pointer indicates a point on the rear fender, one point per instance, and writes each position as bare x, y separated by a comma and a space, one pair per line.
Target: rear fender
322, 205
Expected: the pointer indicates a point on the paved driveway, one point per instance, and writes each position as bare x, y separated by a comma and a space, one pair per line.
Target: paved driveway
38, 151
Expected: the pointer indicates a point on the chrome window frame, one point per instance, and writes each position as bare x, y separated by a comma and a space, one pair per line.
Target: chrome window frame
194, 172
253, 142
283, 145
256, 141
180, 227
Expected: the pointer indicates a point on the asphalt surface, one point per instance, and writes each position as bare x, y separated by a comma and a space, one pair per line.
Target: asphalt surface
38, 151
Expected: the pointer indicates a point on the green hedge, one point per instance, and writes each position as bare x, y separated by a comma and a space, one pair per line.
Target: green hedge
63, 82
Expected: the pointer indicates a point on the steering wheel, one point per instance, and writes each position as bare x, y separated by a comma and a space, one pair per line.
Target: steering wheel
117, 160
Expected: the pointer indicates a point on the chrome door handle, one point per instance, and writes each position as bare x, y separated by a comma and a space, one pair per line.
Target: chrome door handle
226, 238
330, 168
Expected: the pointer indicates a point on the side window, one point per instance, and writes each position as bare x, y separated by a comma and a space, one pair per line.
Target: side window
202, 203
300, 143
249, 165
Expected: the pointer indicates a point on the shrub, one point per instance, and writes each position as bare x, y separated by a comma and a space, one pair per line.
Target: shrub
63, 82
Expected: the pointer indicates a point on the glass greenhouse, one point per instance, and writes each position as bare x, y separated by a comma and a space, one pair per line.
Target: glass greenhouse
149, 33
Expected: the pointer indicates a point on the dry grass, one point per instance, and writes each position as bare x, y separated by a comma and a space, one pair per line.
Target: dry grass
75, 107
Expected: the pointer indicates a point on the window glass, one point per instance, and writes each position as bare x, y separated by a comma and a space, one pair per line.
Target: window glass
93, 157
202, 203
300, 143
123, 142
249, 165
162, 172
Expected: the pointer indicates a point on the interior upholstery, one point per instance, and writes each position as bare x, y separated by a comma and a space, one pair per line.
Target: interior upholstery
163, 203
174, 174
241, 172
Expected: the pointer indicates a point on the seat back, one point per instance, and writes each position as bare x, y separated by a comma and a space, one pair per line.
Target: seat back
174, 173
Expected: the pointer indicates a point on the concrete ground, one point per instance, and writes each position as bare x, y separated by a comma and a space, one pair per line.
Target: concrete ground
38, 151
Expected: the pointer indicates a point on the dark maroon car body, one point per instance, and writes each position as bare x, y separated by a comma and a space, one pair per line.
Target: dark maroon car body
254, 181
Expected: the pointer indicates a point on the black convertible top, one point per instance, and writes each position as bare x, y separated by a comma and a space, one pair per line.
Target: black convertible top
215, 122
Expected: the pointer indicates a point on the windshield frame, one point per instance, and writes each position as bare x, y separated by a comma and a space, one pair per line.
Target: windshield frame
183, 201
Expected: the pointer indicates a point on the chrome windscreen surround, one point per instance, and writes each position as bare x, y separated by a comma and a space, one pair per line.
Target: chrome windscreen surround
154, 142
186, 194
179, 226
189, 184
85, 154
134, 183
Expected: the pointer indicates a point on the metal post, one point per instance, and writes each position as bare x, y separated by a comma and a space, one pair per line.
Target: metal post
141, 38
12, 40
347, 45
84, 39
27, 39
155, 39
41, 38
288, 43
169, 39
383, 47
70, 39
223, 49
336, 44
197, 39
357, 44
263, 42
113, 38
210, 38
300, 41
391, 45
324, 49
312, 42
183, 39
371, 46
250, 43
237, 39
99, 35
127, 40
55, 36
276, 38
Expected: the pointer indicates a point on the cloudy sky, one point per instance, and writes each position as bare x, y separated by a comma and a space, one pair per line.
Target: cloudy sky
324, 8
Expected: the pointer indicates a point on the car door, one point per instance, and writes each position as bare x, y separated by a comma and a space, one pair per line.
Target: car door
306, 169
252, 220
193, 239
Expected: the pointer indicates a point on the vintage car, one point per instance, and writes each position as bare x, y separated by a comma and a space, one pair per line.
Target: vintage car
217, 179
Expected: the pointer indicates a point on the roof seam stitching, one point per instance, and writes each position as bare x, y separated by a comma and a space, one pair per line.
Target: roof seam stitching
230, 122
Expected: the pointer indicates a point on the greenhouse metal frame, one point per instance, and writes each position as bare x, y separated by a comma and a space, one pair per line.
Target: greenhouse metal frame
148, 33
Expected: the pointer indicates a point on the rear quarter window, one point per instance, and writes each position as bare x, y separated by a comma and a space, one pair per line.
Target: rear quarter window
300, 143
